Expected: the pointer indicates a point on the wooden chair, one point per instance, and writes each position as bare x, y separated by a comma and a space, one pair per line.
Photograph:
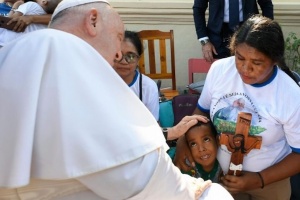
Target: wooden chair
158, 60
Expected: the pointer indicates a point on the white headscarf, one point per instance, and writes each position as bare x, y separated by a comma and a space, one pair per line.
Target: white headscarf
64, 112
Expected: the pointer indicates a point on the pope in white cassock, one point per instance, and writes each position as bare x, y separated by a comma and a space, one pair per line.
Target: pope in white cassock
70, 128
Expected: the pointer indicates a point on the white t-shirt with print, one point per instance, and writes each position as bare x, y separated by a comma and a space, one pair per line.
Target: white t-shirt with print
275, 108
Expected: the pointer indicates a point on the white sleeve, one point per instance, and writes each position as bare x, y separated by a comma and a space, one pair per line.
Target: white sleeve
151, 177
31, 8
123, 181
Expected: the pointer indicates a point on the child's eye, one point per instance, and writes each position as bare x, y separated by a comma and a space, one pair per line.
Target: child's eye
193, 144
206, 139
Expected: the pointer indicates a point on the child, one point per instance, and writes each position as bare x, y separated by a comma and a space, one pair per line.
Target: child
202, 142
40, 7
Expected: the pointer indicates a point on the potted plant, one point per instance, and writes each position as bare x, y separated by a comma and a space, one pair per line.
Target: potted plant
292, 52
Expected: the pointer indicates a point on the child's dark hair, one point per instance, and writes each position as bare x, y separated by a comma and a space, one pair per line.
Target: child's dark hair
209, 124
266, 36
135, 40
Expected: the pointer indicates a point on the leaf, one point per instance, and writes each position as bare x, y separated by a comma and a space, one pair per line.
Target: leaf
292, 52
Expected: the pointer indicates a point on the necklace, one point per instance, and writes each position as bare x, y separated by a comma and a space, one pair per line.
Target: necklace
206, 175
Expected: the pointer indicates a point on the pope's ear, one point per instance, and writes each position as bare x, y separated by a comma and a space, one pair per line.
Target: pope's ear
91, 22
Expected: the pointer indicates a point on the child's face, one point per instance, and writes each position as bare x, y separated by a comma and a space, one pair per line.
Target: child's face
203, 146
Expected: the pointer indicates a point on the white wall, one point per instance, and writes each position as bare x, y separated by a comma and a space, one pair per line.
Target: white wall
177, 15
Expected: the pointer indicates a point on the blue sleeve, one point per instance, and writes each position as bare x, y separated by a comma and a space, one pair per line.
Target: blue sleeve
295, 150
202, 109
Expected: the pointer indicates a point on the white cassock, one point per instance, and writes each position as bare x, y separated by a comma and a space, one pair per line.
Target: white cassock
70, 128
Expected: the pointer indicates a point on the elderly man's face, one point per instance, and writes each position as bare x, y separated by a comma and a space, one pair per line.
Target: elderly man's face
110, 38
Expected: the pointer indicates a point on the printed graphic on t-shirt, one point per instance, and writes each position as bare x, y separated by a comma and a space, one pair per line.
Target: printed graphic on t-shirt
226, 110
225, 113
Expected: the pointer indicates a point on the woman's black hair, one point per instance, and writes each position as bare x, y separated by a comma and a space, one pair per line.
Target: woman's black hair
134, 38
266, 36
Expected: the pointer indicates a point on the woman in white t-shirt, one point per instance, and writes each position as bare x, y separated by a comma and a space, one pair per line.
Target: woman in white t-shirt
256, 76
143, 86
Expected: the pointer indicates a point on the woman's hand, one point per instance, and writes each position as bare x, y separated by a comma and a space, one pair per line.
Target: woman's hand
21, 22
247, 181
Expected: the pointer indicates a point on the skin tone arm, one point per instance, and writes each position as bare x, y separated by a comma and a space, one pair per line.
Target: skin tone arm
183, 150
23, 21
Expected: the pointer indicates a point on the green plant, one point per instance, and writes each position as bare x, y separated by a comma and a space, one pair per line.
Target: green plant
292, 52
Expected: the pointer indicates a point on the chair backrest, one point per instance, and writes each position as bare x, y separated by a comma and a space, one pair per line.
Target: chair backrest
183, 105
158, 61
197, 65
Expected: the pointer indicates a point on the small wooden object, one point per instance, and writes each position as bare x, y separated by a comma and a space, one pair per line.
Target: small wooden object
240, 143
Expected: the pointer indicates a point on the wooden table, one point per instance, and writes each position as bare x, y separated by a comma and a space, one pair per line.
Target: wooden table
169, 94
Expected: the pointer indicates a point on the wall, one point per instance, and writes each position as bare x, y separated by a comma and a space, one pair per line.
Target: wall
177, 15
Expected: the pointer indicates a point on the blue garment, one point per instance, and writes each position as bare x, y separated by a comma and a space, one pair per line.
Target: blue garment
4, 9
295, 186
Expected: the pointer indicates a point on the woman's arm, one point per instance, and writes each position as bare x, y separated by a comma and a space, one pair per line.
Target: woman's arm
289, 166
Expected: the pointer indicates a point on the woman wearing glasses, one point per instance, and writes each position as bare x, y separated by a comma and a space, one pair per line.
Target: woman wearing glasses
144, 87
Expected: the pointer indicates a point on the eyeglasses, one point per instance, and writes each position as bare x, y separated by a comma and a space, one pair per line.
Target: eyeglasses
129, 58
